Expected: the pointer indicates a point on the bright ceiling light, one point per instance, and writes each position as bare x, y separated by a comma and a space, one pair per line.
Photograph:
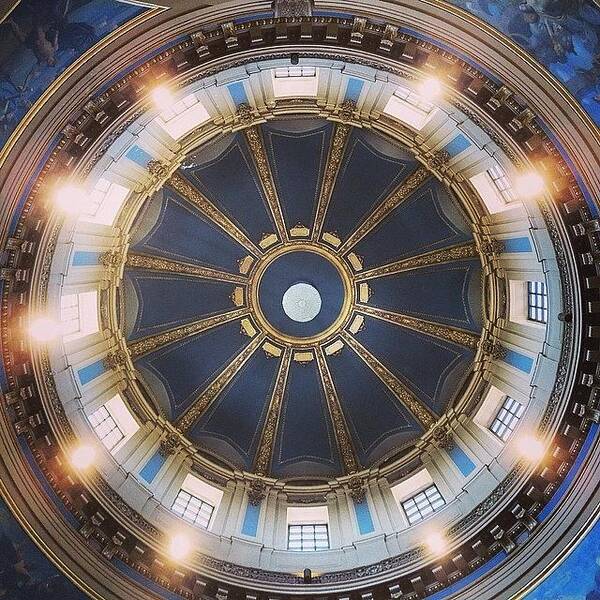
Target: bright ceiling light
531, 448
69, 198
83, 457
430, 88
436, 543
179, 547
530, 184
162, 98
43, 329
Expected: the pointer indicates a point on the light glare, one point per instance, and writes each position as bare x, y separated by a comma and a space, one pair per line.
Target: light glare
43, 329
431, 88
69, 198
179, 547
530, 184
162, 97
531, 448
83, 457
436, 543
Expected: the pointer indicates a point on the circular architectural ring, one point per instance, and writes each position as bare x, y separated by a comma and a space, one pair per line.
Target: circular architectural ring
317, 269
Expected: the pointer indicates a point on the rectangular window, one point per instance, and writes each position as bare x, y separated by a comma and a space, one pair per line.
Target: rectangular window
185, 115
409, 107
79, 315
106, 428
295, 81
423, 504
507, 418
502, 183
308, 537
193, 509
104, 203
537, 302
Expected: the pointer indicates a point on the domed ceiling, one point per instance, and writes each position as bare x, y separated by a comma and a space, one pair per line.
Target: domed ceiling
299, 298
303, 311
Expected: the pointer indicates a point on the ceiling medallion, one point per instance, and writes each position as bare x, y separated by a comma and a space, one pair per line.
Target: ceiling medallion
301, 293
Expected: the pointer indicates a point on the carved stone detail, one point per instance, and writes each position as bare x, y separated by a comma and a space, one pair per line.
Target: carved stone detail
356, 486
205, 399
340, 426
152, 343
456, 336
169, 445
441, 437
256, 492
492, 247
494, 349
267, 441
400, 391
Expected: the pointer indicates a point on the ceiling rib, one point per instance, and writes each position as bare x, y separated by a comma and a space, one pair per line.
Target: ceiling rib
164, 265
263, 168
444, 332
154, 342
218, 384
337, 149
437, 257
340, 427
422, 413
264, 453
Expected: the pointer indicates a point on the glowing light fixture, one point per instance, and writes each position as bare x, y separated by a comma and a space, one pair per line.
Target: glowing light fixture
83, 457
530, 184
69, 198
162, 98
179, 547
436, 543
43, 329
430, 88
531, 448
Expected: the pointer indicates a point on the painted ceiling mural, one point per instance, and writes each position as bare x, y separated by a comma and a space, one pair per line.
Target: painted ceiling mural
564, 35
41, 38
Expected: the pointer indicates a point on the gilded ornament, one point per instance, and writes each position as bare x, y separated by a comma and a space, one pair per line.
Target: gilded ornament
340, 426
400, 391
358, 492
456, 336
263, 169
494, 349
154, 342
153, 263
437, 257
267, 441
221, 381
492, 247
334, 159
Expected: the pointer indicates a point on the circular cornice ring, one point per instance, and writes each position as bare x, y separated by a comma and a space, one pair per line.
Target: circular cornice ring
482, 596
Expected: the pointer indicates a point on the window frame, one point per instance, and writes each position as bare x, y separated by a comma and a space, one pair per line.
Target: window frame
537, 311
98, 428
311, 542
427, 493
509, 426
201, 503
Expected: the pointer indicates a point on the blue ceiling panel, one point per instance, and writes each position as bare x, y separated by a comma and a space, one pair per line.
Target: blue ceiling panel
297, 152
179, 372
378, 423
305, 441
417, 293
232, 426
170, 227
434, 369
158, 301
225, 173
372, 168
428, 220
